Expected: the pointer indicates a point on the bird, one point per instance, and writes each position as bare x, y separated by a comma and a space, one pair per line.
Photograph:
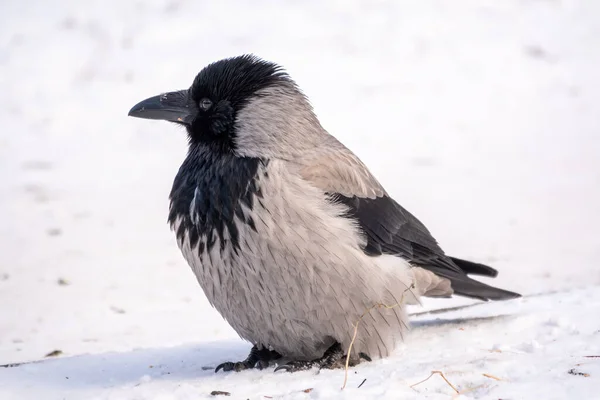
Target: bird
291, 237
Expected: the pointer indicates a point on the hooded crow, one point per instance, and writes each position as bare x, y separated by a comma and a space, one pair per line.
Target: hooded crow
290, 236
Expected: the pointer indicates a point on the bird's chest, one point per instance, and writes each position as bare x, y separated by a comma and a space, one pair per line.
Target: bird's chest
213, 211
249, 230
265, 251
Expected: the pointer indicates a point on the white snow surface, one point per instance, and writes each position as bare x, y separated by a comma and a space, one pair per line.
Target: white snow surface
480, 117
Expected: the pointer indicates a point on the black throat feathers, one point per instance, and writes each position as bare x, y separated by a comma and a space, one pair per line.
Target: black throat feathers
208, 192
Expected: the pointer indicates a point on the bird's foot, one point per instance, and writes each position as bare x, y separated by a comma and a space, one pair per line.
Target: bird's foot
256, 359
332, 358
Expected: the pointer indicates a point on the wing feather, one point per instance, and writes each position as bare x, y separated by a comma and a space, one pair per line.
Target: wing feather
388, 227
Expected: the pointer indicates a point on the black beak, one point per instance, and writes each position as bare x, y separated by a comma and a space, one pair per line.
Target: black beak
172, 106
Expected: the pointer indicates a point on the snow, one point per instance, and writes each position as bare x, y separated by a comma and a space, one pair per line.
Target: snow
479, 117
519, 345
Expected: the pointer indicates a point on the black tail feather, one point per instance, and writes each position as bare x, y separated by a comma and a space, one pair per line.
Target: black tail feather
462, 285
473, 268
468, 287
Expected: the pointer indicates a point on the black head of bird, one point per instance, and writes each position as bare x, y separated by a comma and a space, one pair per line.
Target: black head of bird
212, 109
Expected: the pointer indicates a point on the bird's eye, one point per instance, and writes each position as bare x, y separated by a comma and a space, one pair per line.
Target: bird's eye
205, 104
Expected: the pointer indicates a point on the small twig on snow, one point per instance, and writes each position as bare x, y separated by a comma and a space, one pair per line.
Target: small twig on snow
492, 377
440, 373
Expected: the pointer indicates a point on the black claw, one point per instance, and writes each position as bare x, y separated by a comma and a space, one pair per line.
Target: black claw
365, 357
231, 366
283, 367
330, 360
256, 358
295, 366
226, 367
240, 366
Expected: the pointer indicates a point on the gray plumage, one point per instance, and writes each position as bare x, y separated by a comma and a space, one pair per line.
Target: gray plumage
288, 233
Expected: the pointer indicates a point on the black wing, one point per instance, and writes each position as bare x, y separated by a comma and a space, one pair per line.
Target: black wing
390, 229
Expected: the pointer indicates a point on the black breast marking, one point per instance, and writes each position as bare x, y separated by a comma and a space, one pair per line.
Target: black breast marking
208, 193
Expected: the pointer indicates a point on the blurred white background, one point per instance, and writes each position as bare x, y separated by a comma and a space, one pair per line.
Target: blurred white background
480, 117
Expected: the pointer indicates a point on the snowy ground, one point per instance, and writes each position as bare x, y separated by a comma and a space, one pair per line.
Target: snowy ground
480, 117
